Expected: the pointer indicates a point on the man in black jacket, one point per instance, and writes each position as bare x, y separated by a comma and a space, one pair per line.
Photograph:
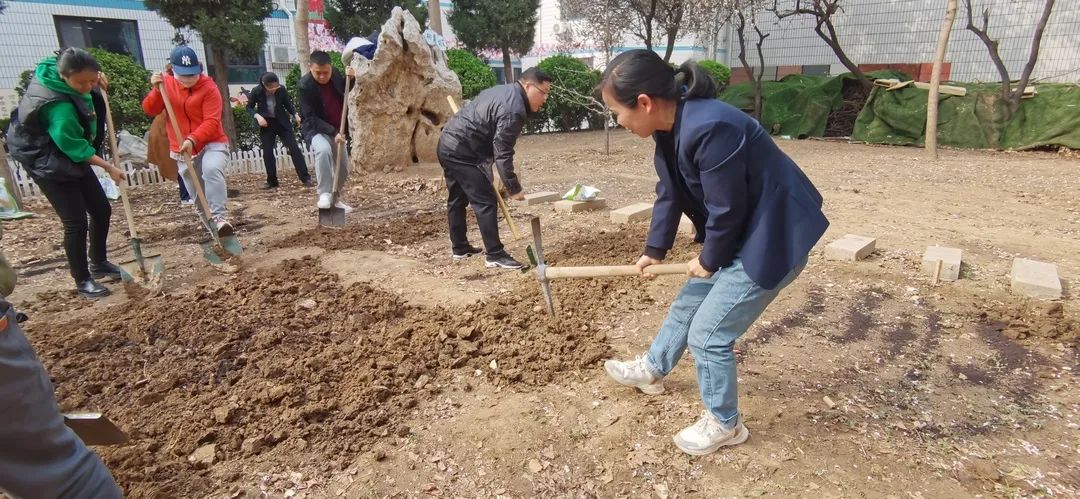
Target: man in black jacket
485, 131
322, 94
272, 108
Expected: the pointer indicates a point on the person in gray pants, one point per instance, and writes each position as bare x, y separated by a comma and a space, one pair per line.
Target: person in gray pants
322, 94
39, 455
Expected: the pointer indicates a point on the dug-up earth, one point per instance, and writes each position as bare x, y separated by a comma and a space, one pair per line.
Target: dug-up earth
363, 362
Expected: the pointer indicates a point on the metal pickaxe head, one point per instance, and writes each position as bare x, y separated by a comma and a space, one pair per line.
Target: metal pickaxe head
541, 266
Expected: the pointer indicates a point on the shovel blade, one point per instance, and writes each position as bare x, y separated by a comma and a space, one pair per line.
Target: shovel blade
134, 271
332, 217
95, 428
210, 255
232, 245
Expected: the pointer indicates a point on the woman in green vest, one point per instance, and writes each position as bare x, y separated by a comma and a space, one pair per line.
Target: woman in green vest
56, 135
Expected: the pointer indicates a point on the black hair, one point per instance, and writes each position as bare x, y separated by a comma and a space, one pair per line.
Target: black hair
636, 72
319, 58
536, 76
268, 78
73, 60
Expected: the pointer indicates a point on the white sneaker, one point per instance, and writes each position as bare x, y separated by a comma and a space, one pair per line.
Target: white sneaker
324, 201
187, 202
707, 436
634, 373
347, 208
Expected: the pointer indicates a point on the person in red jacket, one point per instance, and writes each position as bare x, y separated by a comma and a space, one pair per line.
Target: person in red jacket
197, 103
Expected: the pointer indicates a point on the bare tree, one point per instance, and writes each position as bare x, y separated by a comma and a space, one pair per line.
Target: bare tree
602, 22
303, 45
652, 21
935, 79
756, 75
823, 11
1010, 95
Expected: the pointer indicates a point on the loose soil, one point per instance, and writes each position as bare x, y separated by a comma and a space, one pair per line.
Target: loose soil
363, 361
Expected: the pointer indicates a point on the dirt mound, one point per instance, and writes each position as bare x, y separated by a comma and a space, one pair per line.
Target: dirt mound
285, 362
1045, 320
372, 234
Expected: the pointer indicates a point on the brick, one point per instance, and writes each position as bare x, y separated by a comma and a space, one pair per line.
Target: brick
1036, 279
633, 213
539, 198
686, 226
950, 262
580, 206
850, 248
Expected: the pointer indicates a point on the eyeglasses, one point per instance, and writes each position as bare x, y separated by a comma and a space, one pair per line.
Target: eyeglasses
542, 91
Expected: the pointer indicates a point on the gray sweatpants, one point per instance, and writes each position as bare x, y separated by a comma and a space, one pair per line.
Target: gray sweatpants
39, 455
325, 153
211, 162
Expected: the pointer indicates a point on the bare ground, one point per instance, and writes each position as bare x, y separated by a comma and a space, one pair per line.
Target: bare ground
362, 362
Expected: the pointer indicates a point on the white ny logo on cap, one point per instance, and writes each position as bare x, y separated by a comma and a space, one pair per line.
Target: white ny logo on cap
185, 60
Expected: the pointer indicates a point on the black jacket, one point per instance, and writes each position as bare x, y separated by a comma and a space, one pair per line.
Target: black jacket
29, 143
487, 130
283, 106
312, 114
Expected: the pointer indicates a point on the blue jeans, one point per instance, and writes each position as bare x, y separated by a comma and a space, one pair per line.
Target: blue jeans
708, 315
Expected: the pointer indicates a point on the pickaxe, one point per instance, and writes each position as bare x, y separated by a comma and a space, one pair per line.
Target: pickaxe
545, 273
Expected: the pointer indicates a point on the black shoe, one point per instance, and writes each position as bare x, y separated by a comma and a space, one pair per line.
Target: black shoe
308, 183
472, 251
91, 289
270, 185
502, 261
104, 270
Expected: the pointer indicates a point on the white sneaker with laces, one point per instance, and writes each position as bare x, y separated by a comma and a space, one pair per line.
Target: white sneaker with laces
634, 373
324, 201
707, 436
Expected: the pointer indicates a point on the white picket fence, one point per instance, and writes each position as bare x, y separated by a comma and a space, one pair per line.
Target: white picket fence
240, 162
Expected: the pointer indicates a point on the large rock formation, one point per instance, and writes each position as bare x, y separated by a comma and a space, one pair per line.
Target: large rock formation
398, 104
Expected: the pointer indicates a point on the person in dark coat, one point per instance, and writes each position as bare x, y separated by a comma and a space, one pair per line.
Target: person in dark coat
485, 131
269, 103
755, 212
57, 133
321, 93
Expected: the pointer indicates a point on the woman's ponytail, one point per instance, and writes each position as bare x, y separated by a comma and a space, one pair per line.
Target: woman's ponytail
698, 82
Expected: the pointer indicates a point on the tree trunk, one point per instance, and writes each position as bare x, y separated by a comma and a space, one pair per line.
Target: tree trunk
1033, 57
303, 47
508, 69
670, 45
755, 87
935, 79
221, 77
434, 16
833, 41
758, 105
607, 131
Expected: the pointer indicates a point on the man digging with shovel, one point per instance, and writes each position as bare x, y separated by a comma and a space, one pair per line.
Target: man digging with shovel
323, 124
488, 127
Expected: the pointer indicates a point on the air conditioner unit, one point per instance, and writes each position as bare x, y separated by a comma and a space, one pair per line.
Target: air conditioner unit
282, 54
559, 28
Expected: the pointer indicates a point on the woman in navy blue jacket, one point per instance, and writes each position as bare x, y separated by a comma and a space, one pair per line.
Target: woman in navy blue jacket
753, 209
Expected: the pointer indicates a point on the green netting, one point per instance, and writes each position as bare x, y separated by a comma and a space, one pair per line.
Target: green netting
797, 105
976, 120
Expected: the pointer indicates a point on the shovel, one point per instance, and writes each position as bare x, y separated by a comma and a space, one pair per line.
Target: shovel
94, 428
333, 216
228, 243
146, 268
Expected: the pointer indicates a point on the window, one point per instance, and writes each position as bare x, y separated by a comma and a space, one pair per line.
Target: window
500, 78
114, 35
241, 69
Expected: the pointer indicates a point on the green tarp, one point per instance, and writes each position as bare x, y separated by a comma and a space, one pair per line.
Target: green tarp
976, 120
799, 106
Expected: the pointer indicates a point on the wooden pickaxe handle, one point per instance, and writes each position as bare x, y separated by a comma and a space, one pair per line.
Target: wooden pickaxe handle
613, 270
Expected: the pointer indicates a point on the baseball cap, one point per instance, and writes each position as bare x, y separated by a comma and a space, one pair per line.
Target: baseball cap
184, 61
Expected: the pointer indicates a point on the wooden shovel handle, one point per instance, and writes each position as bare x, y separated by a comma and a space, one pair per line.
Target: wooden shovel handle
613, 270
193, 174
116, 162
